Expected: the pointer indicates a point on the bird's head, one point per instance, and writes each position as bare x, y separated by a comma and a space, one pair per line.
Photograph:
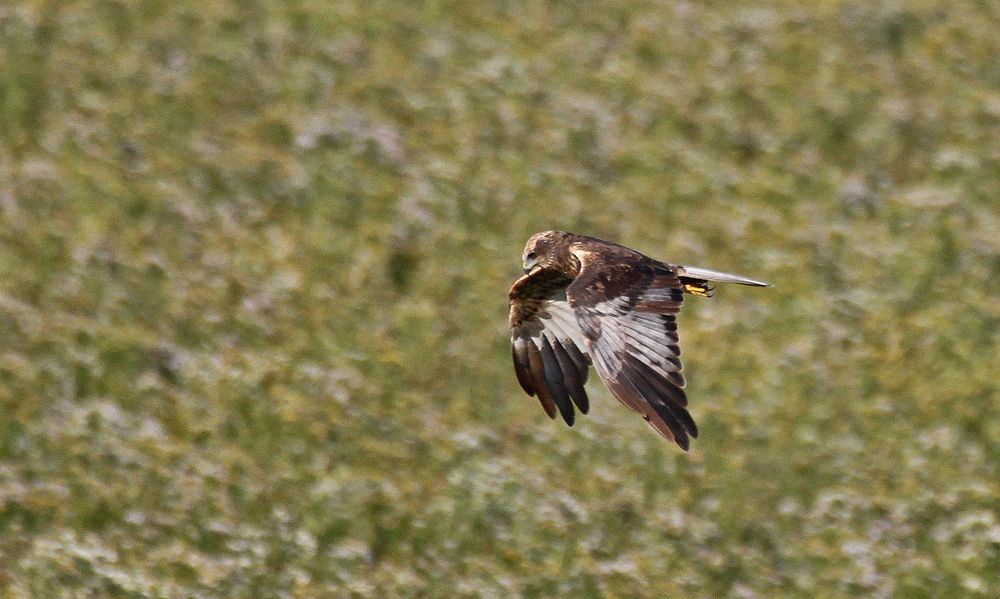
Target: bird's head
542, 250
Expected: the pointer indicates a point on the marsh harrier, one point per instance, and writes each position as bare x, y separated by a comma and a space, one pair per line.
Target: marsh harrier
584, 301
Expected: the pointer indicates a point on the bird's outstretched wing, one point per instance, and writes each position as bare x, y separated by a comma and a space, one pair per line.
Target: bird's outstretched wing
626, 310
550, 356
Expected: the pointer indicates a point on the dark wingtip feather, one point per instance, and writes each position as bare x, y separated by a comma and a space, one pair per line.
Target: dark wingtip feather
521, 366
536, 372
663, 401
571, 377
553, 378
668, 389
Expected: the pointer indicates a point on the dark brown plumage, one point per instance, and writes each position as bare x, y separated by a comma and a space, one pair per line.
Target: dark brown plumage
583, 301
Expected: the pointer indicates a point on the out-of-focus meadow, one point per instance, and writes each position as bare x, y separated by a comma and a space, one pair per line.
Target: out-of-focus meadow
253, 269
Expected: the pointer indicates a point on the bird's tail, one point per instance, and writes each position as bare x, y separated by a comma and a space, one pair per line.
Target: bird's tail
695, 280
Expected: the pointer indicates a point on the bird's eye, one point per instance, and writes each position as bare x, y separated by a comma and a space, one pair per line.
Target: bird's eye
532, 255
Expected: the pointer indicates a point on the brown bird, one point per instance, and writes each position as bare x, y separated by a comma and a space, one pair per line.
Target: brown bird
584, 301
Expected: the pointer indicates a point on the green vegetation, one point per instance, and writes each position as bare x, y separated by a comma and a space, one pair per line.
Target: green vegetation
253, 269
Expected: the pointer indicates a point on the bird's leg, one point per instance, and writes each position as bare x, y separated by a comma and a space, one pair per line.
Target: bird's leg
697, 287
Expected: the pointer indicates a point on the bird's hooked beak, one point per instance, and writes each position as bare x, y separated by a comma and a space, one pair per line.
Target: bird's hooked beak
530, 264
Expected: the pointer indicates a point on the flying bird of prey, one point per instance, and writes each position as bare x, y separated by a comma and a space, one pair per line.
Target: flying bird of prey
584, 301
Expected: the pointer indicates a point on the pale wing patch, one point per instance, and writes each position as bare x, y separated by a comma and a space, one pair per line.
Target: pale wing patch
562, 320
584, 256
616, 331
660, 294
633, 342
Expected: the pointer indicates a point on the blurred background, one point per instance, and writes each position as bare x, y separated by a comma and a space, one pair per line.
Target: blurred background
254, 259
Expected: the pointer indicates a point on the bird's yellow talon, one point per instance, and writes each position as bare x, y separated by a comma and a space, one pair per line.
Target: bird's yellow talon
700, 290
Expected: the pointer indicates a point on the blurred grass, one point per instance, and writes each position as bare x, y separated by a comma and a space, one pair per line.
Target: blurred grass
253, 265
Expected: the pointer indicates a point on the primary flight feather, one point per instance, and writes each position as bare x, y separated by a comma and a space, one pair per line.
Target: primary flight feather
584, 301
